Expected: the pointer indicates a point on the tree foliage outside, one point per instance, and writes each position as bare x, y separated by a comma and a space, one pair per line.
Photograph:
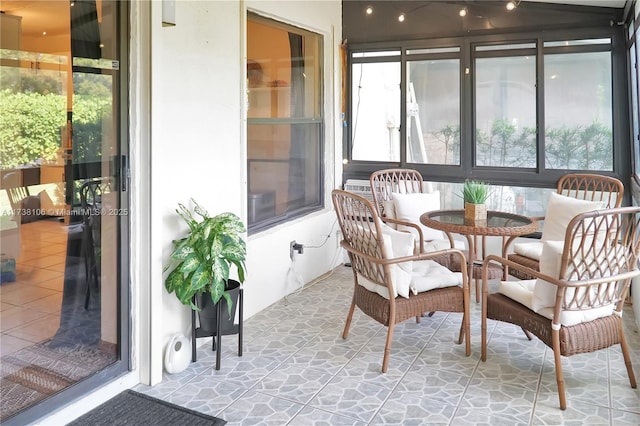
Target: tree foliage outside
449, 136
32, 119
571, 148
506, 145
580, 147
30, 127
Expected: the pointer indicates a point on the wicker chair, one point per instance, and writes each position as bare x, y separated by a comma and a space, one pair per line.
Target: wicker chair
384, 183
374, 266
575, 304
583, 186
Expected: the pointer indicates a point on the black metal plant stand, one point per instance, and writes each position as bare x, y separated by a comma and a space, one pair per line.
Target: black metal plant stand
217, 341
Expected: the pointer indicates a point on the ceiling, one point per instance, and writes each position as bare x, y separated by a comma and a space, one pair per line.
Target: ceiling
38, 16
599, 3
52, 16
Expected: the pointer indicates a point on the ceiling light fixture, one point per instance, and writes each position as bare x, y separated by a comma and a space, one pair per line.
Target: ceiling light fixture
511, 5
463, 12
368, 10
401, 17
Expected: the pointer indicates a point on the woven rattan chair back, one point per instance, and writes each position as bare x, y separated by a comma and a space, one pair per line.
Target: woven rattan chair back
370, 259
385, 182
599, 259
362, 234
592, 187
406, 181
584, 186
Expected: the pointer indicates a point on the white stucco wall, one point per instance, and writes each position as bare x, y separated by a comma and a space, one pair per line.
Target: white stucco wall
198, 145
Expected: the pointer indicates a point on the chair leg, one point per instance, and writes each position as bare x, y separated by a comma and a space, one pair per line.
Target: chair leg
483, 328
558, 365
466, 321
345, 333
387, 347
627, 359
467, 342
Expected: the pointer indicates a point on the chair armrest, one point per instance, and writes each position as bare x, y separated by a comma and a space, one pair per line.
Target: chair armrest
492, 258
410, 225
506, 243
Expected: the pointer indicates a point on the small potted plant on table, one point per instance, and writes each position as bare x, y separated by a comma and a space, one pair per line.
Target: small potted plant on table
475, 195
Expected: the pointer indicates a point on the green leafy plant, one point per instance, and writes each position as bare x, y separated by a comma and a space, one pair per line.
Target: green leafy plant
475, 192
202, 260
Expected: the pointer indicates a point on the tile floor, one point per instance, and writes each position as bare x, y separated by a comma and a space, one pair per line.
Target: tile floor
297, 370
30, 306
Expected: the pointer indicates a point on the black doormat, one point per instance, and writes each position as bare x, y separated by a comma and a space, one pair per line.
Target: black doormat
134, 408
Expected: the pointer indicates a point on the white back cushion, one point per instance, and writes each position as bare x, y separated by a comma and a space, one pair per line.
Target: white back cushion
560, 211
397, 244
544, 293
409, 208
389, 209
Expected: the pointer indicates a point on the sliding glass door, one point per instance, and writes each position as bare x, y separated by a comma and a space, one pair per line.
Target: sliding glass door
63, 204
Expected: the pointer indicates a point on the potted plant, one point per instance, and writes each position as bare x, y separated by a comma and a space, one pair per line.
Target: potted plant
201, 261
475, 195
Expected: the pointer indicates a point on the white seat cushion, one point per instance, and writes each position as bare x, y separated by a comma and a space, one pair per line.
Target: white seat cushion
522, 292
569, 318
410, 276
532, 250
427, 275
409, 208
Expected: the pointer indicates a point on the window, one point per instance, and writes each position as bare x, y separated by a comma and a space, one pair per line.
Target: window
375, 93
578, 111
505, 105
285, 122
433, 108
507, 109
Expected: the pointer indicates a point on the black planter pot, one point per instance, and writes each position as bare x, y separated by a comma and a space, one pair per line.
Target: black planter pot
208, 310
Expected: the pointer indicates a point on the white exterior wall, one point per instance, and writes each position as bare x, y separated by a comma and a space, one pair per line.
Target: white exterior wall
188, 139
198, 145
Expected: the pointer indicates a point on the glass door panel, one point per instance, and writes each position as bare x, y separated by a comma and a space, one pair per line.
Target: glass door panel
62, 216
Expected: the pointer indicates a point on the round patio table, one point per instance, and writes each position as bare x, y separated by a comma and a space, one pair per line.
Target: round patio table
498, 224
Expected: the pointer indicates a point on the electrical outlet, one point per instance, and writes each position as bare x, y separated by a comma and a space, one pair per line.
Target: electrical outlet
293, 246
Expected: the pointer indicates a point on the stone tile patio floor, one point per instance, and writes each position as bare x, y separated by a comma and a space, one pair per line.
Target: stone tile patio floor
297, 370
